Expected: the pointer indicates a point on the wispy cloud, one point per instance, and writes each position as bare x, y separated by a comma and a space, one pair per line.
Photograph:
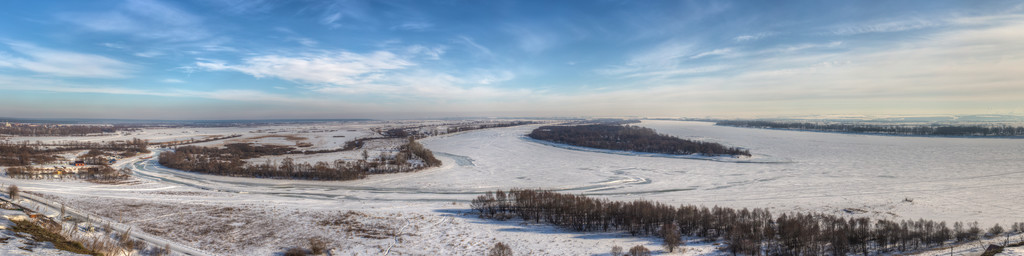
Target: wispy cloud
150, 19
715, 52
886, 26
414, 26
800, 47
303, 41
665, 59
475, 47
381, 73
149, 54
51, 85
752, 37
320, 68
336, 12
433, 53
172, 81
63, 63
532, 39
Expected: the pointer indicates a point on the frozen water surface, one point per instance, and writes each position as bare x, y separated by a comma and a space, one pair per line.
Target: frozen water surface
953, 179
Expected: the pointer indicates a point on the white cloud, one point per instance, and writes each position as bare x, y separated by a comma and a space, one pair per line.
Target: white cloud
64, 63
666, 60
752, 37
172, 81
433, 53
303, 41
380, 73
532, 39
479, 49
887, 26
150, 19
715, 52
337, 11
149, 54
968, 69
51, 85
800, 47
414, 26
322, 68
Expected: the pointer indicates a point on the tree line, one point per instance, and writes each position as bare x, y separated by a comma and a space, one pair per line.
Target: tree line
630, 138
932, 130
229, 161
194, 141
746, 231
101, 173
40, 130
26, 153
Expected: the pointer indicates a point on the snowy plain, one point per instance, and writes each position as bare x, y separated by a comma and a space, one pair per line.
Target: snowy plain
944, 179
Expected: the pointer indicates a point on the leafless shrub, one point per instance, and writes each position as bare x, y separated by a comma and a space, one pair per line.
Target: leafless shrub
500, 249
995, 230
616, 250
295, 251
317, 245
639, 250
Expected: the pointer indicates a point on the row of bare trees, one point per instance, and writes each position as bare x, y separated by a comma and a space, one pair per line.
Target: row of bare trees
749, 232
630, 138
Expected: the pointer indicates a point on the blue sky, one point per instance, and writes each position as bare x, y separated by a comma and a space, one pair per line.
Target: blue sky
237, 59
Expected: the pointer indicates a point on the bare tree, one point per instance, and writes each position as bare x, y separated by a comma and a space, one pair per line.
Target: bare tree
616, 250
671, 236
14, 192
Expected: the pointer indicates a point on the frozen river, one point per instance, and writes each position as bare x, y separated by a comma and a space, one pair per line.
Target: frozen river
943, 179
964, 179
948, 179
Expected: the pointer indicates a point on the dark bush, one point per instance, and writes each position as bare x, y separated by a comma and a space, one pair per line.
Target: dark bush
639, 250
500, 249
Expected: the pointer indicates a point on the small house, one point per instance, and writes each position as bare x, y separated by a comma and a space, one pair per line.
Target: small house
79, 163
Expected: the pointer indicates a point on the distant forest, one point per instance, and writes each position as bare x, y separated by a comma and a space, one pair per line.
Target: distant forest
229, 161
630, 138
745, 231
39, 130
927, 130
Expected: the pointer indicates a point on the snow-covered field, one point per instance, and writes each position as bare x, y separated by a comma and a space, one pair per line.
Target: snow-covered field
944, 179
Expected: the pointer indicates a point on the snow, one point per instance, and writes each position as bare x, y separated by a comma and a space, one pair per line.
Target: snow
946, 179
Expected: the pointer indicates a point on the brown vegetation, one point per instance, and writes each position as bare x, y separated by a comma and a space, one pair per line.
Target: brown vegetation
50, 232
500, 249
352, 224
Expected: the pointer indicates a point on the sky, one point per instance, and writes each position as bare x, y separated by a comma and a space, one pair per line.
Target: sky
252, 59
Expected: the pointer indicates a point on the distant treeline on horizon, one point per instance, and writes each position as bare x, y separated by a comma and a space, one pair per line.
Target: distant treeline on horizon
169, 122
887, 129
